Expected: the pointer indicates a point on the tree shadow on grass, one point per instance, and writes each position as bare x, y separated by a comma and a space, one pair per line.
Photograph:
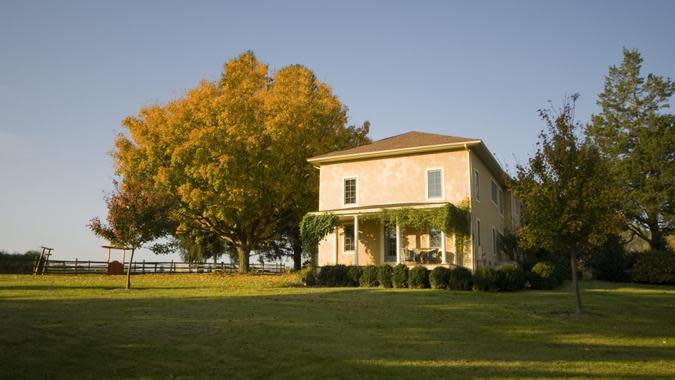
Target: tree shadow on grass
335, 333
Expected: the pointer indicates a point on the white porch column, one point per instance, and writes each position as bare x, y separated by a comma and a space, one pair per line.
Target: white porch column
335, 247
356, 240
398, 243
443, 251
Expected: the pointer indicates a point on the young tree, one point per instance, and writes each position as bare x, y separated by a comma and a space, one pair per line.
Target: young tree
569, 205
233, 154
135, 216
639, 141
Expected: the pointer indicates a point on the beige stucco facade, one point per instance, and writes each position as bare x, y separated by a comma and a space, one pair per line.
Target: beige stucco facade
400, 180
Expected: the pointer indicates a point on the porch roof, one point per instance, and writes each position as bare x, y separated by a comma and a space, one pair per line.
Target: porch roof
378, 208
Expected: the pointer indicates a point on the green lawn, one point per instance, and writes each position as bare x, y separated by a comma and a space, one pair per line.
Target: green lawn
203, 326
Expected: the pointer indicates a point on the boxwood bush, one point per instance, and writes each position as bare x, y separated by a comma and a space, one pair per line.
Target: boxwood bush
460, 279
399, 277
369, 276
485, 279
333, 275
308, 276
543, 276
418, 277
384, 275
439, 278
655, 267
353, 275
510, 277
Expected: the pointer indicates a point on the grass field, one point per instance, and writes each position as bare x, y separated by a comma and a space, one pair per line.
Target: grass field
211, 326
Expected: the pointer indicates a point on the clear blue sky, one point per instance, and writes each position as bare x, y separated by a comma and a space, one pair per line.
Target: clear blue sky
71, 71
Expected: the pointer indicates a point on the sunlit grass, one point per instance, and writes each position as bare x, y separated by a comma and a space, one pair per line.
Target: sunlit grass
214, 326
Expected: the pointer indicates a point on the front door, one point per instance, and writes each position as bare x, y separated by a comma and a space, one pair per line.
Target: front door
389, 243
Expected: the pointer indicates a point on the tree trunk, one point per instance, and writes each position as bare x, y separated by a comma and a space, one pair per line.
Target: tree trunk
297, 255
243, 253
131, 260
575, 282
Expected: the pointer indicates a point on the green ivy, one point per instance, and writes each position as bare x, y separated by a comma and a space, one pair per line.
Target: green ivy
315, 227
448, 218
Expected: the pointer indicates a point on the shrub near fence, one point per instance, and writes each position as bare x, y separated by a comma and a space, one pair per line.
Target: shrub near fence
655, 267
17, 263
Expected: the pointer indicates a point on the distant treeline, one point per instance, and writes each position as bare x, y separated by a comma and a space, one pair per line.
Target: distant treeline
17, 263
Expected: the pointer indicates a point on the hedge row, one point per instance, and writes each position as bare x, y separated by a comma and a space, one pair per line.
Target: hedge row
508, 277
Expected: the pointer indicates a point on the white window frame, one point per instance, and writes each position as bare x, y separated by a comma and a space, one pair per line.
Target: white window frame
476, 184
344, 179
344, 239
495, 202
426, 180
500, 199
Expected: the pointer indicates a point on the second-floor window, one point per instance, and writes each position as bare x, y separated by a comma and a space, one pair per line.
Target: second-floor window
476, 182
434, 183
350, 191
494, 192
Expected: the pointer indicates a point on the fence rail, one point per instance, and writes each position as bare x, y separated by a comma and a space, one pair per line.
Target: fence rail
148, 267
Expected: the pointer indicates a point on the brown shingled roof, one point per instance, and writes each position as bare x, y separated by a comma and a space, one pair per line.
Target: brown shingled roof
412, 139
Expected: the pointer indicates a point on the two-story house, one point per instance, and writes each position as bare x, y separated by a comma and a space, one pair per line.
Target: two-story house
414, 170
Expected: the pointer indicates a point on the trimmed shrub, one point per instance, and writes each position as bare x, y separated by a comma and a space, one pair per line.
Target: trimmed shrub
308, 276
610, 262
333, 275
384, 275
543, 276
485, 279
418, 277
439, 278
460, 279
655, 267
18, 263
510, 277
369, 276
400, 276
354, 275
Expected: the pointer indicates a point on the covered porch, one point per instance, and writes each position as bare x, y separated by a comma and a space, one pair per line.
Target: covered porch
375, 236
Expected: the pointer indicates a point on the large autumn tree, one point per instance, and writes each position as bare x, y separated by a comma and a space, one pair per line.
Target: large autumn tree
638, 137
569, 206
233, 152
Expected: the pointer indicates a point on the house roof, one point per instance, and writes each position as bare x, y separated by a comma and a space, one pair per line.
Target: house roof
414, 142
394, 145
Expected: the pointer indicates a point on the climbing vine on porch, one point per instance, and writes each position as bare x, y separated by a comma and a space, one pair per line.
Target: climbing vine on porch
448, 218
313, 228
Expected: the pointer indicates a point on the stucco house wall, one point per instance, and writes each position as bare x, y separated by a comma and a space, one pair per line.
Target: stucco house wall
393, 180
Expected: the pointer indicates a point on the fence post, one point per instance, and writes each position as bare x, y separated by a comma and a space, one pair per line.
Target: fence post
143, 267
76, 265
89, 265
155, 267
171, 267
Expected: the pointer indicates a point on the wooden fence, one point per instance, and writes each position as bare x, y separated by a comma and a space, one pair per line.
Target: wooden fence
165, 267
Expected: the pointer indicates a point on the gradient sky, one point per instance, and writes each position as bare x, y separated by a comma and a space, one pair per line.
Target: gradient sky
71, 71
